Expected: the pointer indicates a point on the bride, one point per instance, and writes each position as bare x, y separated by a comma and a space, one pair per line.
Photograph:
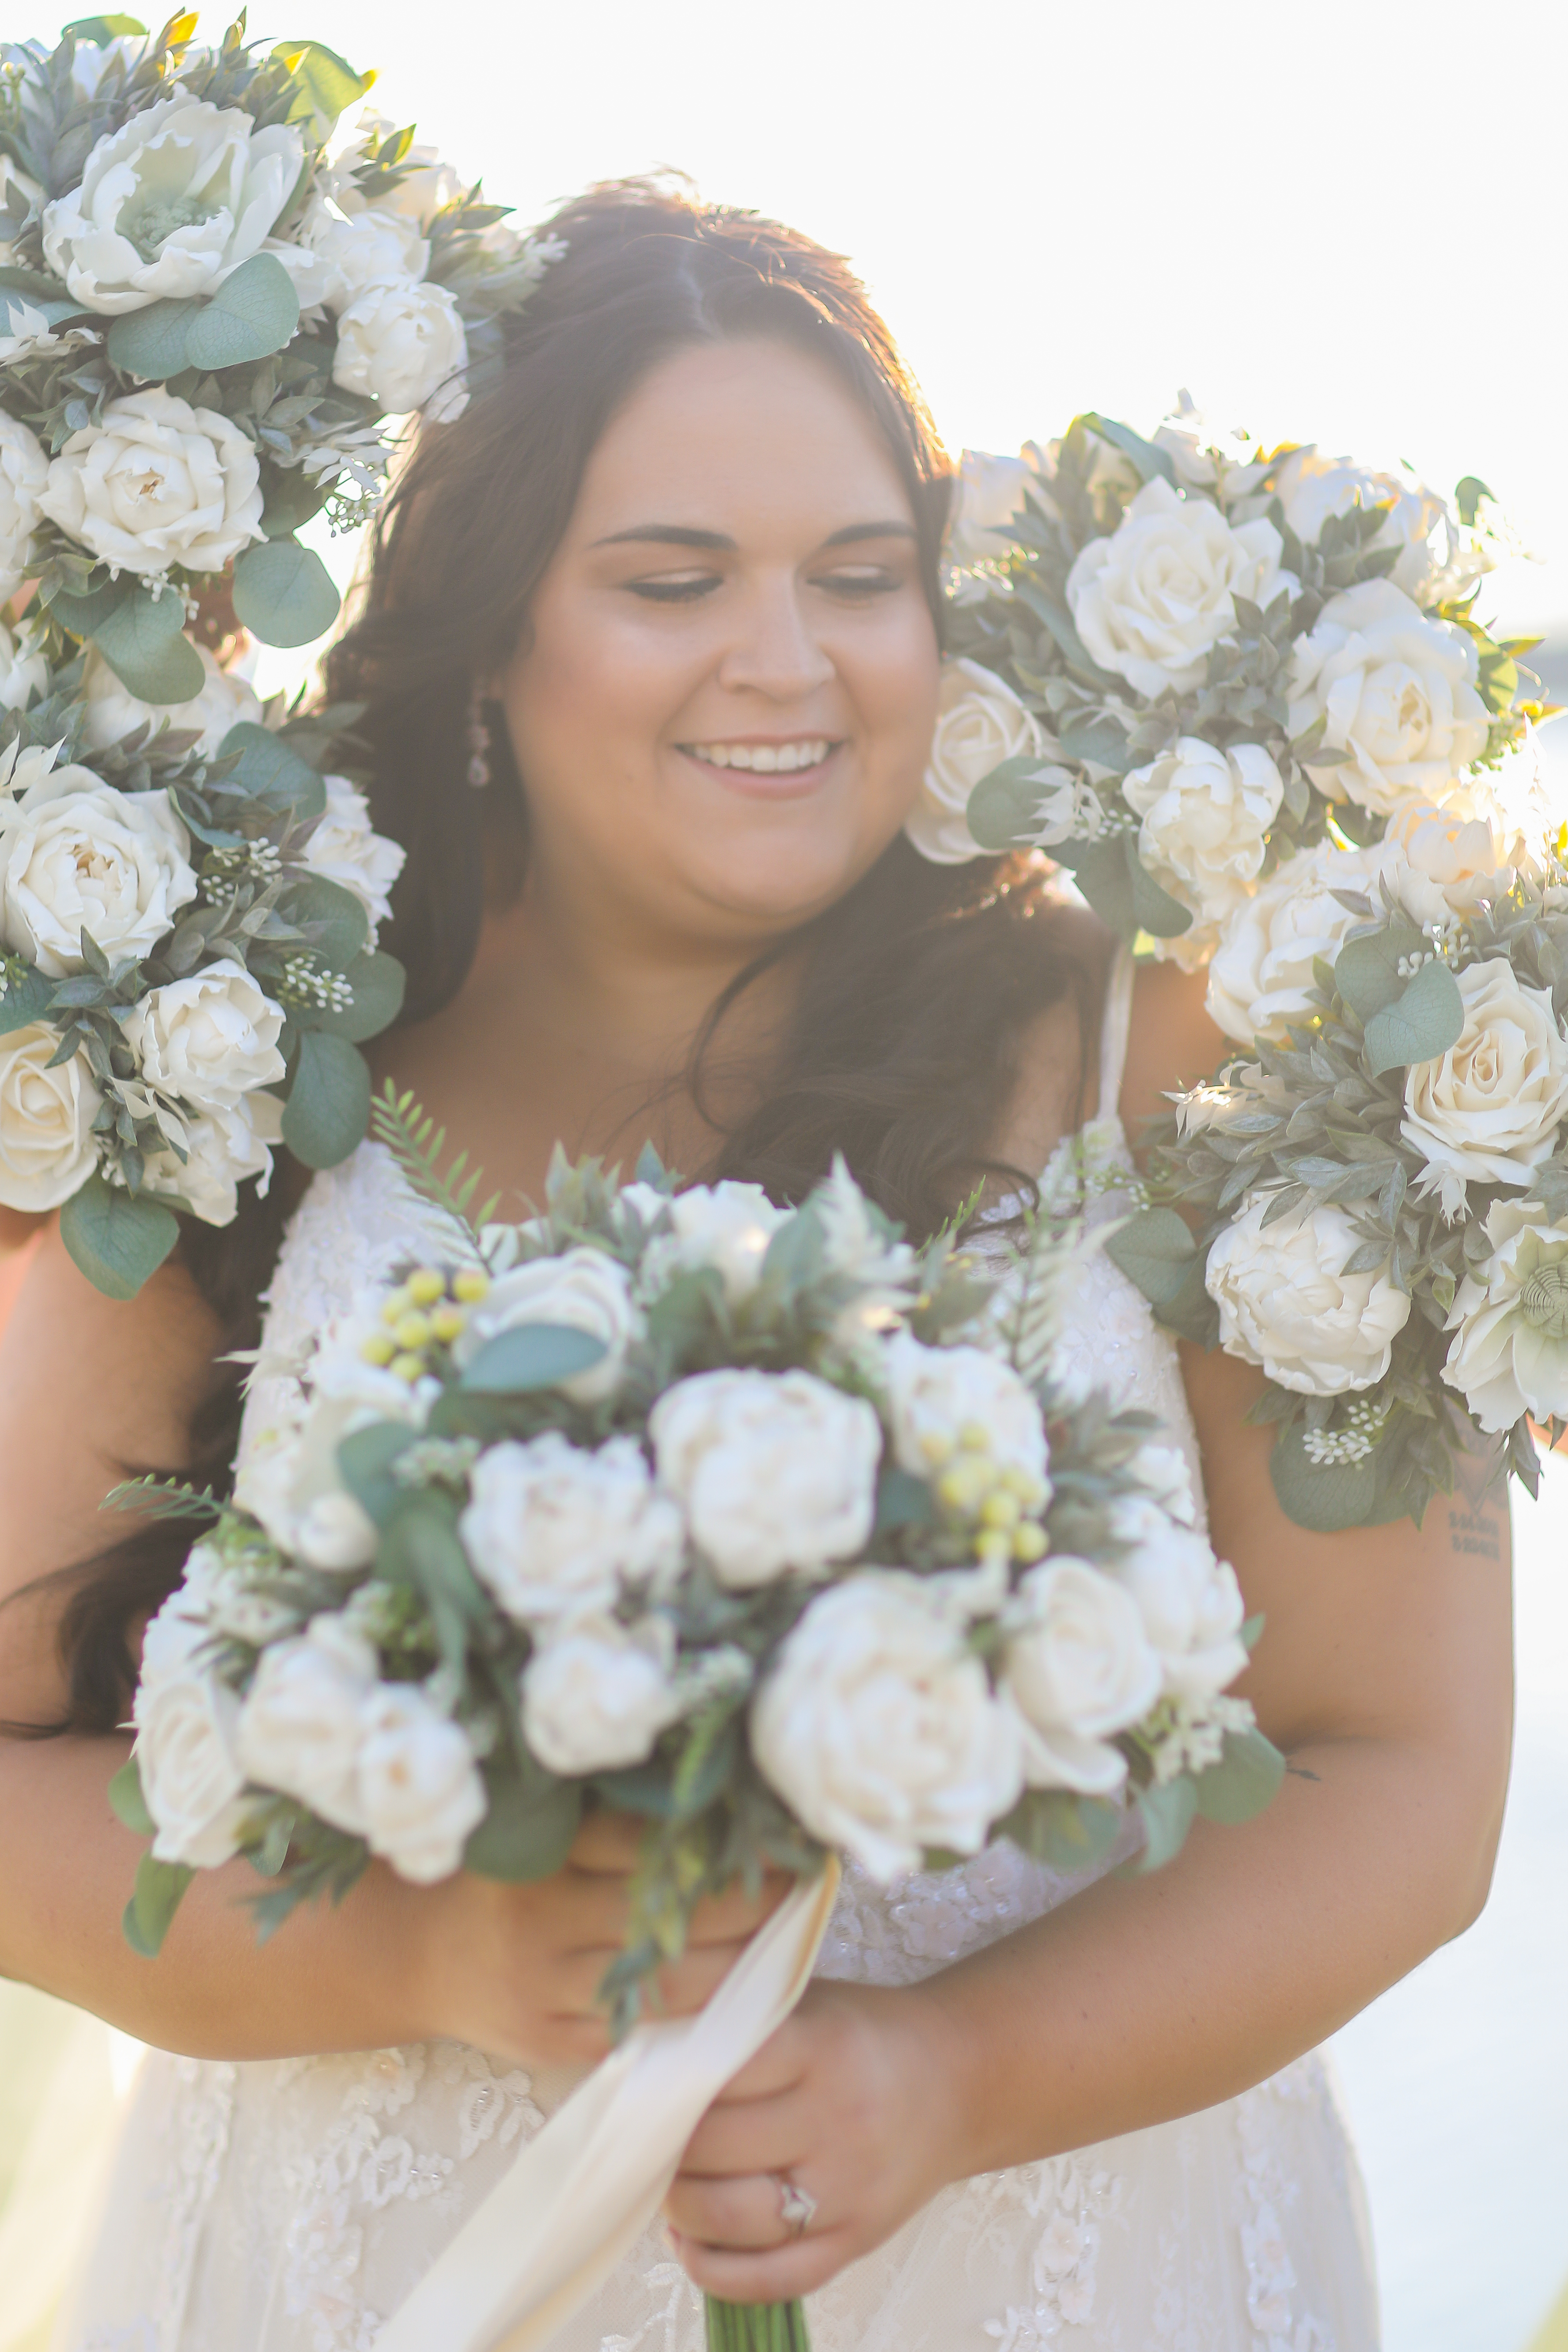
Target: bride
667, 594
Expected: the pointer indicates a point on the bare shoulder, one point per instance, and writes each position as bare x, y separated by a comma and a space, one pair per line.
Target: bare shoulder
1172, 1043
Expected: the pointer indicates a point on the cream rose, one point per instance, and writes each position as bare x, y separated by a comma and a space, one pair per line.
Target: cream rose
988, 492
1153, 601
553, 1528
1396, 692
596, 1695
405, 347
934, 1394
1286, 1303
1311, 488
111, 711
209, 1039
583, 1288
345, 847
878, 1727
157, 483
359, 250
1077, 1666
777, 1470
727, 1226
1190, 1602
171, 204
1261, 978
1207, 815
224, 1148
301, 1727
1511, 1317
23, 671
420, 1787
190, 1778
1458, 855
75, 856
47, 1151
981, 722
24, 473
1487, 1111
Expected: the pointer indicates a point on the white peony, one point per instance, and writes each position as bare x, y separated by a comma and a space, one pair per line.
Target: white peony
596, 1694
1261, 977
1396, 692
1458, 855
553, 1528
1207, 815
24, 473
1510, 1354
208, 1040
980, 722
1077, 1666
1153, 600
75, 856
224, 1148
1286, 1303
420, 1789
405, 347
302, 1726
187, 1724
1487, 1111
111, 711
1190, 1602
1420, 525
157, 483
23, 670
376, 246
777, 1470
46, 1149
345, 847
934, 1393
727, 1226
584, 1289
171, 204
987, 492
878, 1727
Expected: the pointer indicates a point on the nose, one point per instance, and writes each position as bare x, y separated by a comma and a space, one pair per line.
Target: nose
775, 651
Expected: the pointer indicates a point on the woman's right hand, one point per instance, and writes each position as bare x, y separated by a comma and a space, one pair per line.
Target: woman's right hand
516, 1970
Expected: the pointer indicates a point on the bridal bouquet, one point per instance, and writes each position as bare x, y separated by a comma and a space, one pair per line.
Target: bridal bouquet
211, 305
752, 1522
1244, 695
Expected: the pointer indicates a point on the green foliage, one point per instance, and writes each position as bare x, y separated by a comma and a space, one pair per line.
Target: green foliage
1247, 1777
528, 1831
1324, 1497
283, 593
118, 1239
532, 1356
756, 2327
328, 1109
1420, 1025
127, 1803
416, 1143
1169, 1809
139, 636
150, 1914
1157, 1253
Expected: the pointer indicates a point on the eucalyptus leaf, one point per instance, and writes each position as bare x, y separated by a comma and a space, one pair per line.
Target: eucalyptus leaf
283, 593
27, 999
253, 312
333, 919
1424, 1023
271, 771
1149, 461
117, 1239
902, 1501
1064, 1831
82, 615
1156, 1253
1366, 971
1004, 808
1248, 1776
420, 1548
1168, 1811
1102, 872
152, 341
1154, 910
532, 1356
365, 1459
160, 1891
378, 982
1327, 1497
1101, 741
528, 1830
127, 1801
327, 1110
142, 640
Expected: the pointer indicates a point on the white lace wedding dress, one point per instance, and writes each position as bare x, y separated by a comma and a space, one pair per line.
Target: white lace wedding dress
290, 2207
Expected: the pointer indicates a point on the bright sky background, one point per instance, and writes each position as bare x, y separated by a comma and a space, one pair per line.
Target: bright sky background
1335, 222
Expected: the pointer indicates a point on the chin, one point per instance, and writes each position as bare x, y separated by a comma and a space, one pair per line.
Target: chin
776, 892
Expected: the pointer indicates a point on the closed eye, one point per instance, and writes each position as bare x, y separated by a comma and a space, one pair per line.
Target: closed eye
684, 591
859, 581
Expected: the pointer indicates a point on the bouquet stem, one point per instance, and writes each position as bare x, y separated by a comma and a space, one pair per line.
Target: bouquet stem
756, 2326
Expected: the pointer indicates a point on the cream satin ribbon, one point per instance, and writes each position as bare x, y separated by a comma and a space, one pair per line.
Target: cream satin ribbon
586, 2187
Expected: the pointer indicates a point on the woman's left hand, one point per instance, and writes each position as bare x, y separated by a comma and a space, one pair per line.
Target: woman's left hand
853, 2100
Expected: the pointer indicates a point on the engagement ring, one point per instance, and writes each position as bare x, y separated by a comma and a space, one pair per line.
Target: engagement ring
797, 2206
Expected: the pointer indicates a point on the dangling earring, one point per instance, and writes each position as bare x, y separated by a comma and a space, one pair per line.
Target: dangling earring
478, 736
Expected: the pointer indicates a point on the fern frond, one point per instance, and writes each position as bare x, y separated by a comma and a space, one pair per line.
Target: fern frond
416, 1143
1031, 1320
164, 1498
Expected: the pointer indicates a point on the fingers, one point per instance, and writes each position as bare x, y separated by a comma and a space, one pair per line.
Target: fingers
743, 2212
684, 1986
719, 1917
773, 2277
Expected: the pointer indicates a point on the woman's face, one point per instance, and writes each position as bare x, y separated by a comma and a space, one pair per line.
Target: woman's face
726, 700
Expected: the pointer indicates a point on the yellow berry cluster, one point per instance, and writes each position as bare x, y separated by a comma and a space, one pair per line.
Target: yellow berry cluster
429, 1310
999, 1501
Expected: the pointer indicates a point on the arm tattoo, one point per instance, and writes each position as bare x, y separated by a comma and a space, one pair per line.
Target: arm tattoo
1476, 1520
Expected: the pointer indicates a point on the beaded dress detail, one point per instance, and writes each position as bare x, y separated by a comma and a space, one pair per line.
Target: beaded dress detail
291, 2206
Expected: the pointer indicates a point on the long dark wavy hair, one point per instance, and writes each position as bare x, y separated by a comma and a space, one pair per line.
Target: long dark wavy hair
916, 986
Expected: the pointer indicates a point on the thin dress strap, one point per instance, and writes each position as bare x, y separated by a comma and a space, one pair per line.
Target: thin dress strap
1115, 1029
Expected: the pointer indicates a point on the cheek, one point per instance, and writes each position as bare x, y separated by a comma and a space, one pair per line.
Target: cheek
893, 677
594, 690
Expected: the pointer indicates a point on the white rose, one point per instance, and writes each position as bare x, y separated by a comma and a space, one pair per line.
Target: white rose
980, 722
210, 1039
23, 670
47, 1151
987, 492
933, 1393
1165, 1476
1487, 1111
377, 246
345, 847
171, 204
1261, 977
23, 472
777, 1470
301, 1727
1510, 1355
1396, 691
727, 1226
223, 1149
405, 347
420, 1787
190, 1777
1153, 601
111, 711
1079, 1666
553, 1528
157, 483
1207, 815
1420, 525
427, 187
584, 1289
1458, 857
1286, 1303
1190, 1602
596, 1695
290, 1478
878, 1727
75, 856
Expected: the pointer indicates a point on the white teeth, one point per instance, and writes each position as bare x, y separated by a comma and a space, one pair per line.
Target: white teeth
764, 759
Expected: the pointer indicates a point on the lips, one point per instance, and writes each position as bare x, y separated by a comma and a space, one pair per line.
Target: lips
793, 756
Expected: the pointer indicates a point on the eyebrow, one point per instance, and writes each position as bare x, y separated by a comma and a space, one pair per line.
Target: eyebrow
677, 534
